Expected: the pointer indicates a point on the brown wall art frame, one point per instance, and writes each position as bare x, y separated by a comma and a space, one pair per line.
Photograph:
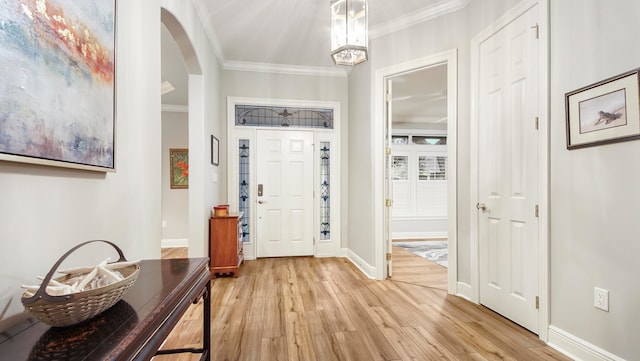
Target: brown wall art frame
604, 112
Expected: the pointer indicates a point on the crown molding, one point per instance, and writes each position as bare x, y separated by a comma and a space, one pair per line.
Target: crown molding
286, 69
403, 22
175, 108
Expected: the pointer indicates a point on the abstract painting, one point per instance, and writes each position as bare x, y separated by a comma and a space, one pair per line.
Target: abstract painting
57, 94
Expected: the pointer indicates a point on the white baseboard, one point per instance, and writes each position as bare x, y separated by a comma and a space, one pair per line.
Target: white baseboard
577, 348
464, 290
419, 235
174, 243
363, 266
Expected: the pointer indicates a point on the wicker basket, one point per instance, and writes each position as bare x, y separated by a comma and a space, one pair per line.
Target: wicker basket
67, 310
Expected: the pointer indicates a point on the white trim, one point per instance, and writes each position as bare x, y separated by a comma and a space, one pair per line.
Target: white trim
325, 248
577, 348
419, 218
464, 290
543, 155
544, 186
175, 108
378, 145
367, 269
428, 13
418, 235
174, 243
286, 69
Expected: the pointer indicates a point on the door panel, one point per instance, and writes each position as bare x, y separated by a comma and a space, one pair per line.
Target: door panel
508, 163
285, 209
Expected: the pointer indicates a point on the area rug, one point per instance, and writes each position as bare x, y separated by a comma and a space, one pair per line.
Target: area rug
435, 251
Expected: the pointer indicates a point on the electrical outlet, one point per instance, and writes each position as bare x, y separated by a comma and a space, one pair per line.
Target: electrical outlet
601, 299
164, 224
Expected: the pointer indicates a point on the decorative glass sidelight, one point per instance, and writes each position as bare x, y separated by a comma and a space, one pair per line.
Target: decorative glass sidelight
271, 116
244, 203
325, 180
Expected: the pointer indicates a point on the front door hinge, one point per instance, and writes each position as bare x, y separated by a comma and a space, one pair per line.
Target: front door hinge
537, 303
537, 123
387, 97
314, 241
388, 150
537, 211
388, 202
388, 256
537, 28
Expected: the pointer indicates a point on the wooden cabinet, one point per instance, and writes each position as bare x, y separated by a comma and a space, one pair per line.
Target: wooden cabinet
225, 245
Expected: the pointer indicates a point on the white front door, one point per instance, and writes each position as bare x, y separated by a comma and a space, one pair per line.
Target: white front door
285, 193
508, 171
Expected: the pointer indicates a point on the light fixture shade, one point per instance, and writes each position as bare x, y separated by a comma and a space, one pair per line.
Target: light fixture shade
349, 38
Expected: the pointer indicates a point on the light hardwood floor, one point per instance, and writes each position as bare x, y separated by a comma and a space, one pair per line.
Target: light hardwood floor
409, 268
325, 309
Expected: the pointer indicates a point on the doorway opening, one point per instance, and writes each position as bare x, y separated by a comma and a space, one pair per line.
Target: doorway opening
418, 172
183, 224
419, 163
175, 141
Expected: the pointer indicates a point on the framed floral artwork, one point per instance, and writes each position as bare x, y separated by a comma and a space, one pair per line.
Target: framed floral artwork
179, 164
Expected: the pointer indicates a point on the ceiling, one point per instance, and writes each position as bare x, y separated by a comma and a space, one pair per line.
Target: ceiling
293, 36
420, 97
296, 32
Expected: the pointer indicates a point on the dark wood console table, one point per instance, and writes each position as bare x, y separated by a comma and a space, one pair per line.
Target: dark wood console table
133, 329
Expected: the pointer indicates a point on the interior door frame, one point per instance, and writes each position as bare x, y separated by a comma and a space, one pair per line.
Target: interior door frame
473, 292
322, 248
451, 59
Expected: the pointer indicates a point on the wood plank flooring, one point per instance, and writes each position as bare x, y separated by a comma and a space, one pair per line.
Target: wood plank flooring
325, 309
410, 268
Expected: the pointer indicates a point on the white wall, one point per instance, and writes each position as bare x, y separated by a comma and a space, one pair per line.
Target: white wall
249, 84
45, 211
594, 196
175, 202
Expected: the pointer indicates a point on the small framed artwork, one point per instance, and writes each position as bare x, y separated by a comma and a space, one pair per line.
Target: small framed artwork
179, 164
604, 112
215, 151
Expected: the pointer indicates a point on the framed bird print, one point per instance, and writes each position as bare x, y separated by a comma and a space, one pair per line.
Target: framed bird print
604, 112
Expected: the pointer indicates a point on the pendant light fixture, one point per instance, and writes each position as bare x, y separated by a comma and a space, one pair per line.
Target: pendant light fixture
349, 38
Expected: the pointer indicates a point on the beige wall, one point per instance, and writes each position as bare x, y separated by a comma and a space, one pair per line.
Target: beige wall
175, 202
594, 197
45, 211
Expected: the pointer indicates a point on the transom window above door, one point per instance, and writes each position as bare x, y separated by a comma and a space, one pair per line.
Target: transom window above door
274, 116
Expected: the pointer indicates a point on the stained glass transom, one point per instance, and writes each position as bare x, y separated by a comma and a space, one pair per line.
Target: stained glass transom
244, 203
271, 116
325, 194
